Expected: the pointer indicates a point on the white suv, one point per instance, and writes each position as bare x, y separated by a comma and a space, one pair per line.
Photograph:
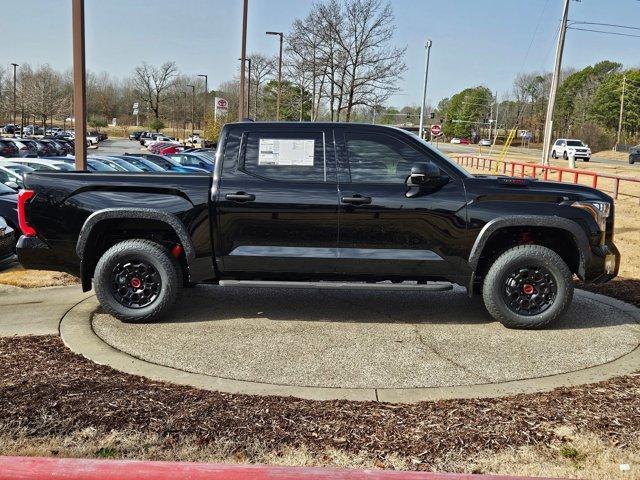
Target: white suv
566, 146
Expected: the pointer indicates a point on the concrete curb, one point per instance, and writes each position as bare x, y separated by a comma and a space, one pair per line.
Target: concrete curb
77, 333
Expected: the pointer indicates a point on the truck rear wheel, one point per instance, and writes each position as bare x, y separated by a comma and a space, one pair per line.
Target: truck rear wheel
137, 280
528, 287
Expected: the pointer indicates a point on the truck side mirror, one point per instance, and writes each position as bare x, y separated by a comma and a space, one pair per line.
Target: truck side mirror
422, 173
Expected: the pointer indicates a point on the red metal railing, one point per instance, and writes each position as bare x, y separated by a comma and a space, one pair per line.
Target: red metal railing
36, 468
546, 172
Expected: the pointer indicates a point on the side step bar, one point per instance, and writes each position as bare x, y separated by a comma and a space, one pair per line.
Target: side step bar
428, 287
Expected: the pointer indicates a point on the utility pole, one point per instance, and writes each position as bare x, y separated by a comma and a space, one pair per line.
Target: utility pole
15, 66
555, 79
243, 55
495, 136
206, 94
193, 107
281, 35
624, 81
248, 60
79, 85
424, 88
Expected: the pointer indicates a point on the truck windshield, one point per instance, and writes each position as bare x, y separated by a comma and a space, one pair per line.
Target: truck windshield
575, 143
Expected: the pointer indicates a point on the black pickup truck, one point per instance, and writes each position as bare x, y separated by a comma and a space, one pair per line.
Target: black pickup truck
312, 203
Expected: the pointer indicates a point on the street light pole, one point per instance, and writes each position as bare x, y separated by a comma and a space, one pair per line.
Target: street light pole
424, 88
243, 55
206, 93
193, 107
79, 85
281, 35
555, 79
624, 81
15, 65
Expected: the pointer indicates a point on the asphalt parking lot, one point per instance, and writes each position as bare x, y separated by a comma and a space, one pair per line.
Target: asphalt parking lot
367, 339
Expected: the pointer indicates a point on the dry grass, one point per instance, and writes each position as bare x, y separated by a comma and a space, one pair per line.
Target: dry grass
580, 455
576, 455
19, 277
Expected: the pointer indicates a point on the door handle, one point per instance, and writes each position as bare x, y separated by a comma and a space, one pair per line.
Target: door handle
240, 197
356, 200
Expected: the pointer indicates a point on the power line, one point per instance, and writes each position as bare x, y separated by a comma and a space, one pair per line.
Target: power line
605, 32
603, 24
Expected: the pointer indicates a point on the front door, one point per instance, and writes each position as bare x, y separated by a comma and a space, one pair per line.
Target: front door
389, 228
277, 205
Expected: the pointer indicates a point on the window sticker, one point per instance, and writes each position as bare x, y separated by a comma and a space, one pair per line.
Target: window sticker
284, 152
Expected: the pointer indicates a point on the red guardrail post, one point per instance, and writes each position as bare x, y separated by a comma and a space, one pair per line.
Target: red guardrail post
594, 181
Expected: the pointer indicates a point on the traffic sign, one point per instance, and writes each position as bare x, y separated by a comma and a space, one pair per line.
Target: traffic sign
136, 105
436, 129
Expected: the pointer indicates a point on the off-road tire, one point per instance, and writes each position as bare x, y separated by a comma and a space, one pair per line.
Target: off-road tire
554, 155
156, 255
565, 156
536, 255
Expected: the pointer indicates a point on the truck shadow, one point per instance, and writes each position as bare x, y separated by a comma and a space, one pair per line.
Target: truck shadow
212, 303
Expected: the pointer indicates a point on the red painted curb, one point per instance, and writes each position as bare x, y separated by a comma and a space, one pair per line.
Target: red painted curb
28, 468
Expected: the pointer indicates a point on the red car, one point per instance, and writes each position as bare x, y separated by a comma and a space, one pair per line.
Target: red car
464, 141
157, 146
170, 149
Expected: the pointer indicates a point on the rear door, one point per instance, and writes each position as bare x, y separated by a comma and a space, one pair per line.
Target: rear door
277, 203
387, 228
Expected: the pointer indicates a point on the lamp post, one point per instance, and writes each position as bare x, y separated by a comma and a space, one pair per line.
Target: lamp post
79, 85
248, 60
424, 88
193, 106
281, 35
15, 65
206, 93
243, 55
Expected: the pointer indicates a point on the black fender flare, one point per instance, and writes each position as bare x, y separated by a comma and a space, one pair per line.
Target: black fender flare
141, 213
578, 234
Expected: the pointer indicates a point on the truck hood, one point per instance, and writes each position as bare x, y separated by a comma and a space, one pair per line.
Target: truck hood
496, 185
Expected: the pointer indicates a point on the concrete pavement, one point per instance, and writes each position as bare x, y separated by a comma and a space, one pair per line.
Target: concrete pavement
357, 345
35, 311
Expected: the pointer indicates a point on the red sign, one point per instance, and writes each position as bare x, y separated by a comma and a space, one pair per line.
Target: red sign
436, 129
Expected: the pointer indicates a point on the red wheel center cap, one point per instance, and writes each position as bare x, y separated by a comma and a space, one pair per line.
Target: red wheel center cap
528, 289
136, 282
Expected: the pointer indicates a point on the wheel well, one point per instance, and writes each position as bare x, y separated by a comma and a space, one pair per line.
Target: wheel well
557, 239
108, 232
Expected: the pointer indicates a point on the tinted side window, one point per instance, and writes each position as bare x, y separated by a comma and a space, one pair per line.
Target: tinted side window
375, 158
286, 156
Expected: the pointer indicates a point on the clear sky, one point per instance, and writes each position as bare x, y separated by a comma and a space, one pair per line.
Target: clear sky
474, 41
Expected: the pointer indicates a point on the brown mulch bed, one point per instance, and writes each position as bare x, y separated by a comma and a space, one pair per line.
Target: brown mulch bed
625, 289
47, 390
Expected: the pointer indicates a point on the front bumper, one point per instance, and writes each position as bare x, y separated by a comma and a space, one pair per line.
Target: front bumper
604, 264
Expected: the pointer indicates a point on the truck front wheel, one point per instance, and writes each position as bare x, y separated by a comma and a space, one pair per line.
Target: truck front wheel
528, 286
137, 280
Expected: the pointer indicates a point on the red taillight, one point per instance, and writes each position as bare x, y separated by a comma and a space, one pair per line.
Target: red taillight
23, 197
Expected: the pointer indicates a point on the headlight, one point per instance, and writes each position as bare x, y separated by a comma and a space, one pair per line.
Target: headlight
599, 211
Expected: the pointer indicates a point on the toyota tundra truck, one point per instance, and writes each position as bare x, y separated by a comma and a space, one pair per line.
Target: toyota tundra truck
319, 204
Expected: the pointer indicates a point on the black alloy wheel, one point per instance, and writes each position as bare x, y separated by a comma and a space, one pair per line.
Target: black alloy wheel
135, 284
529, 290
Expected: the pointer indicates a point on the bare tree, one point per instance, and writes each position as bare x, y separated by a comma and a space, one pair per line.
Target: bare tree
262, 69
152, 83
343, 50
